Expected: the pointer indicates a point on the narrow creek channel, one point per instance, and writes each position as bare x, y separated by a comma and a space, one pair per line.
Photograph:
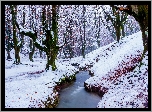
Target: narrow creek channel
75, 95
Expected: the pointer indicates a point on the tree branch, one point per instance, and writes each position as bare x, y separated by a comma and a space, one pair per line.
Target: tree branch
107, 15
128, 10
28, 33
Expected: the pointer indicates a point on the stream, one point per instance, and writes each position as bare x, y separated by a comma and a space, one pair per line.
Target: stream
75, 95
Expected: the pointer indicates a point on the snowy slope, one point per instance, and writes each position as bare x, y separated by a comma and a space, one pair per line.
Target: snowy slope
121, 91
131, 92
114, 57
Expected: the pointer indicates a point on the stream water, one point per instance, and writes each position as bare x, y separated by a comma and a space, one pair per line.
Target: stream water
75, 95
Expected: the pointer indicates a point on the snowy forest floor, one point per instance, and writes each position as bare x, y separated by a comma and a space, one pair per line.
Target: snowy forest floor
29, 86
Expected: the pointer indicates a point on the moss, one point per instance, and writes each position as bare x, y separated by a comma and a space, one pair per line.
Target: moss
66, 79
49, 103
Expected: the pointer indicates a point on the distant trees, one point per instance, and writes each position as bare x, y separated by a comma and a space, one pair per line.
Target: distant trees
8, 33
118, 20
84, 31
74, 29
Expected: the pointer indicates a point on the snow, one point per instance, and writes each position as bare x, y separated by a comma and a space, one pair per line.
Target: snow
25, 88
112, 16
112, 55
40, 43
109, 63
19, 43
122, 95
25, 30
52, 33
110, 60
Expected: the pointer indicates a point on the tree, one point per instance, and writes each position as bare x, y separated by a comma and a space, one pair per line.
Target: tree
8, 34
8, 42
22, 36
31, 45
117, 19
49, 44
84, 38
16, 45
140, 13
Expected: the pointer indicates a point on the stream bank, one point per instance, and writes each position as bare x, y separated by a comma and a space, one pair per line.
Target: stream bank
75, 94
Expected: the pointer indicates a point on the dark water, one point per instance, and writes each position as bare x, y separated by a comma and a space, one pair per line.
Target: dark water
75, 95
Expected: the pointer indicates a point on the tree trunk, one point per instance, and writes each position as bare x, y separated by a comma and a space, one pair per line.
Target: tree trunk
52, 42
16, 47
8, 55
98, 41
83, 51
31, 54
144, 38
118, 32
51, 57
84, 40
17, 57
22, 36
40, 53
83, 46
123, 31
32, 49
50, 48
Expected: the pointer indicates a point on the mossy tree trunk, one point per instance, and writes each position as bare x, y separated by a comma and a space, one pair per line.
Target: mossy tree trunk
123, 31
118, 32
50, 44
32, 49
143, 22
52, 39
31, 45
22, 36
117, 26
16, 46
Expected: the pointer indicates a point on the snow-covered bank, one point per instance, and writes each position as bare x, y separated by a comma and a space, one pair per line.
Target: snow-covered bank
111, 74
129, 90
27, 87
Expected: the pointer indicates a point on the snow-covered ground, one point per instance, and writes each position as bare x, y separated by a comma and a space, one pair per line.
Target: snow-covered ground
124, 90
131, 90
27, 84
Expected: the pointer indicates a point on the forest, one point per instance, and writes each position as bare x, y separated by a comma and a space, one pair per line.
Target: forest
76, 56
